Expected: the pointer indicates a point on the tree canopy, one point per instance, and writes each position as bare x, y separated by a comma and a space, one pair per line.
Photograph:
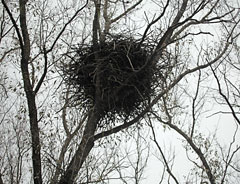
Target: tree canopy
104, 91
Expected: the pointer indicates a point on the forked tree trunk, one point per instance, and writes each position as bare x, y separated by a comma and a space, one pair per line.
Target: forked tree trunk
30, 95
83, 150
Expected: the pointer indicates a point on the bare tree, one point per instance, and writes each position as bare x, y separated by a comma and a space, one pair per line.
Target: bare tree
64, 137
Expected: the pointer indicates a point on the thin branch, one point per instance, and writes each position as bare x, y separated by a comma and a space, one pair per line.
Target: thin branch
220, 112
225, 98
45, 52
7, 52
64, 27
163, 156
4, 89
67, 141
64, 114
230, 156
165, 40
193, 105
153, 22
14, 24
83, 149
159, 96
44, 72
195, 148
126, 12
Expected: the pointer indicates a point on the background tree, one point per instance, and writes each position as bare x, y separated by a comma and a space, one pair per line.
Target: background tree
196, 42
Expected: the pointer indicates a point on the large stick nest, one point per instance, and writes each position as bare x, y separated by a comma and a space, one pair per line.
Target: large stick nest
121, 71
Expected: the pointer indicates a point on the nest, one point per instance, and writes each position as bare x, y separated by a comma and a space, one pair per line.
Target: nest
119, 70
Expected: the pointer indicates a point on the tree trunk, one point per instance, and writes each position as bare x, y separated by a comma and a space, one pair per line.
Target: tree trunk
30, 95
87, 142
83, 150
1, 181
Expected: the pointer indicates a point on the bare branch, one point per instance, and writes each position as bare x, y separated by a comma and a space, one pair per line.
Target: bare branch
230, 156
65, 26
153, 22
126, 12
225, 98
196, 149
163, 156
193, 105
44, 72
166, 37
159, 96
14, 24
45, 52
7, 52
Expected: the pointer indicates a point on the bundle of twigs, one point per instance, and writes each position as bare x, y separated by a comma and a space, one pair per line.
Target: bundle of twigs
125, 76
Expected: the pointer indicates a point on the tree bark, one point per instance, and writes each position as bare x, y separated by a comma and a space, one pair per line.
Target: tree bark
30, 95
1, 181
87, 141
83, 150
